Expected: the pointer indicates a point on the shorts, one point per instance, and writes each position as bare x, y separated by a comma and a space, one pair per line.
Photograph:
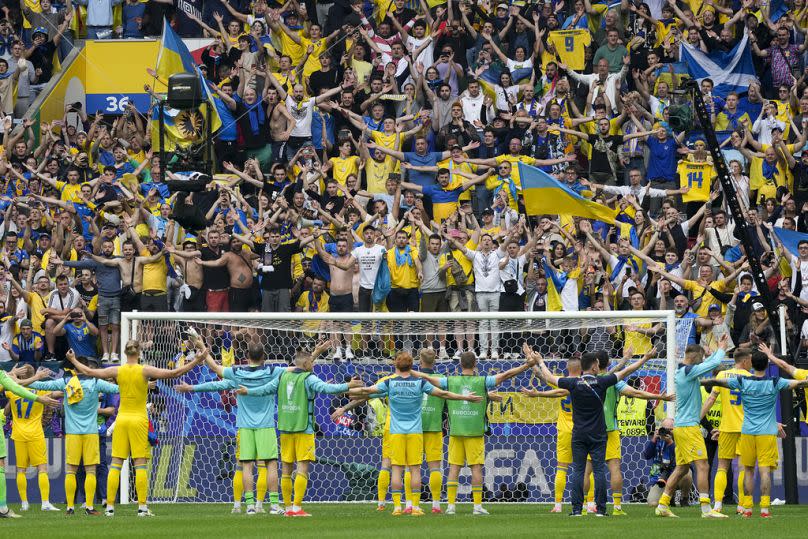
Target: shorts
434, 302
386, 444
217, 301
238, 444
406, 449
82, 448
341, 304
365, 300
689, 445
728, 445
30, 454
564, 447
154, 303
461, 299
466, 450
257, 444
109, 310
240, 300
613, 446
433, 446
130, 438
760, 448
296, 447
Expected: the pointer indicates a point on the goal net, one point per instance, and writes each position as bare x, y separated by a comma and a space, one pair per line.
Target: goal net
195, 455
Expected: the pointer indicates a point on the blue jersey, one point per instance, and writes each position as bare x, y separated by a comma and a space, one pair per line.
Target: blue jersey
313, 386
252, 412
405, 396
759, 396
81, 340
81, 417
688, 389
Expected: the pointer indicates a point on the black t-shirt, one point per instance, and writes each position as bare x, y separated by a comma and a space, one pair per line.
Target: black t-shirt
599, 161
587, 394
324, 79
214, 278
280, 259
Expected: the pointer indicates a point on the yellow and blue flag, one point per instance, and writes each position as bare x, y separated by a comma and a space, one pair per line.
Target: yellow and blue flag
182, 127
545, 195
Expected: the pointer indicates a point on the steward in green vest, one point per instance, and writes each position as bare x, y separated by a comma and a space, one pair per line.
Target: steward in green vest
467, 425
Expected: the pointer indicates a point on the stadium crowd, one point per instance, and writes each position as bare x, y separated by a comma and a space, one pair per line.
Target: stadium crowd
351, 134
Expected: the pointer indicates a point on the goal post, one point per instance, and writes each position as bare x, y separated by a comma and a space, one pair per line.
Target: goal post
195, 455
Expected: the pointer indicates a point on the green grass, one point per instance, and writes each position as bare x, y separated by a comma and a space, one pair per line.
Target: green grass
358, 521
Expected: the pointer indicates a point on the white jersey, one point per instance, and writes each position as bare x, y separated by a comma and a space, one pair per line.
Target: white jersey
302, 113
369, 259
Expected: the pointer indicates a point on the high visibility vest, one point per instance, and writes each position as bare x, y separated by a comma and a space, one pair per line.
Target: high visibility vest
631, 416
714, 413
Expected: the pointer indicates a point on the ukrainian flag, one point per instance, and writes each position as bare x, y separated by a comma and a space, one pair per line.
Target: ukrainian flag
186, 126
545, 195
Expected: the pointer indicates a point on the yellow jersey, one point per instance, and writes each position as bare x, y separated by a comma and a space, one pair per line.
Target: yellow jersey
313, 61
26, 418
377, 173
344, 167
386, 404
70, 192
154, 274
802, 374
292, 49
697, 175
731, 405
564, 419
134, 389
707, 298
640, 343
404, 275
514, 160
570, 46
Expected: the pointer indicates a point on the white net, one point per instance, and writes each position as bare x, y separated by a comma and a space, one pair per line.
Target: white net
195, 455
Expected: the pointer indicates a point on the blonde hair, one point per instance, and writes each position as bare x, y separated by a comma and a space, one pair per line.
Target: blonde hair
132, 348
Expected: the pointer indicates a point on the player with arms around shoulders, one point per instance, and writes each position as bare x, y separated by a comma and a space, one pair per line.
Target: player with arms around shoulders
405, 394
255, 420
690, 447
131, 435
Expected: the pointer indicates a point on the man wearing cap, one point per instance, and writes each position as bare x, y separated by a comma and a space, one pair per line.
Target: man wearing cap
108, 279
28, 346
41, 52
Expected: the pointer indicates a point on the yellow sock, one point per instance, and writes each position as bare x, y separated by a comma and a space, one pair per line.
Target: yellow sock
397, 499
44, 486
70, 488
90, 482
560, 483
617, 499
741, 477
435, 484
113, 480
765, 502
590, 495
665, 500
238, 486
22, 486
261, 484
301, 480
407, 485
286, 489
451, 492
383, 484
748, 502
720, 485
477, 495
141, 484
416, 498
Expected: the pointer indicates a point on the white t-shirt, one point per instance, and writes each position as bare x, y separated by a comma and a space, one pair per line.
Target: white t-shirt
302, 113
802, 267
486, 270
515, 269
426, 55
369, 259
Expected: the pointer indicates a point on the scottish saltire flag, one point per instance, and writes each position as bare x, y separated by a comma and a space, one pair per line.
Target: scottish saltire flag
544, 194
790, 239
730, 71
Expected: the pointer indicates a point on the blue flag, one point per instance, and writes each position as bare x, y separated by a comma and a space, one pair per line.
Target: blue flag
790, 239
730, 71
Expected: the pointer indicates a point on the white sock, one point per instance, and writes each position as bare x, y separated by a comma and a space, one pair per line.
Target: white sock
408, 504
259, 504
142, 507
237, 505
295, 508
705, 507
718, 506
478, 506
89, 508
436, 504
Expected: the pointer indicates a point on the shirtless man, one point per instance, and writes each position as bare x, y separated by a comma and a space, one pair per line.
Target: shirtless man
239, 266
192, 274
341, 298
281, 124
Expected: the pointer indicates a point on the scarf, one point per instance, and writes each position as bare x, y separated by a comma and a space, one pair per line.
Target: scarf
768, 170
257, 117
403, 258
511, 188
671, 267
621, 262
167, 257
314, 302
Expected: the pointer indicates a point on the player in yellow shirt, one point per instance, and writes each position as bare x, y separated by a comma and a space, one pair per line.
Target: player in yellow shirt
131, 435
729, 430
563, 430
29, 442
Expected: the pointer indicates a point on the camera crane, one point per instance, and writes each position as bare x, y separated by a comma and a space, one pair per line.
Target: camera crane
744, 232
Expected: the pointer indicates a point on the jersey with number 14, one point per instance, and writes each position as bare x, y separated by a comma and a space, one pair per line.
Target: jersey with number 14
731, 404
571, 46
696, 175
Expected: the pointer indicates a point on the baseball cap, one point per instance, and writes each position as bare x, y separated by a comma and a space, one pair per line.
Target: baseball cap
44, 235
26, 323
757, 306
488, 211
714, 307
40, 30
189, 239
41, 274
502, 6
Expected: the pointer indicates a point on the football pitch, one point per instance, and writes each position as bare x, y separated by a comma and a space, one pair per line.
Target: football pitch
357, 521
